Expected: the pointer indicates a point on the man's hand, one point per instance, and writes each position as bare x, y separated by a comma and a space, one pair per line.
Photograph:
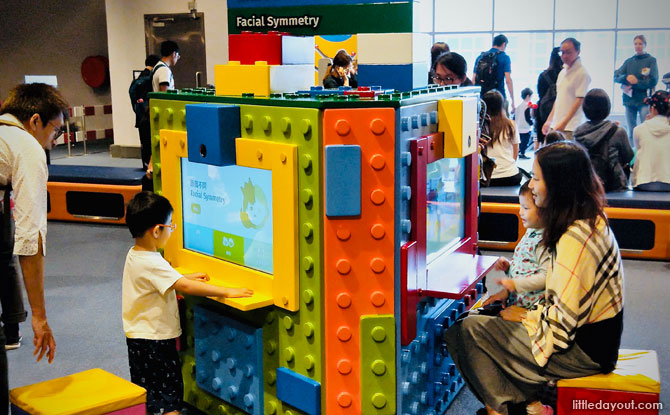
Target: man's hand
546, 127
632, 79
43, 340
513, 313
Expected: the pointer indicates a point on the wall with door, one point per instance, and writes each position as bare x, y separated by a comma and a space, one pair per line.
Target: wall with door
127, 50
52, 38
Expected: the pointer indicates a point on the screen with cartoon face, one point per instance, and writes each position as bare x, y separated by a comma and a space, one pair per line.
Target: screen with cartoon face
228, 213
445, 205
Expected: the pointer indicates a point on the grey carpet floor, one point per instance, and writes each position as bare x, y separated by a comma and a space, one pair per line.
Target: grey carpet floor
83, 292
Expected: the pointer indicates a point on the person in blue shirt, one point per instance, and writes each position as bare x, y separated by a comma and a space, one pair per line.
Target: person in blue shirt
503, 70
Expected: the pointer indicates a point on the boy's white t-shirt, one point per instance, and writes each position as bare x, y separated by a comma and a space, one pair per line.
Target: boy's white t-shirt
520, 118
149, 301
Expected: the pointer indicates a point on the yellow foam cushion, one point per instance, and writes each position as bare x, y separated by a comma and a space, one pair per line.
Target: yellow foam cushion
636, 371
91, 392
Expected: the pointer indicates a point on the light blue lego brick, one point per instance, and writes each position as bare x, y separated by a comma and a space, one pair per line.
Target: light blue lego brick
229, 359
297, 50
399, 77
319, 90
299, 391
234, 4
343, 180
212, 130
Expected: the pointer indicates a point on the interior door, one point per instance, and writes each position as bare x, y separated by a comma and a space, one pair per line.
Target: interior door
188, 30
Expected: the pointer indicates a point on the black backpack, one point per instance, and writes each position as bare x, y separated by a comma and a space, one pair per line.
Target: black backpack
139, 89
600, 158
487, 71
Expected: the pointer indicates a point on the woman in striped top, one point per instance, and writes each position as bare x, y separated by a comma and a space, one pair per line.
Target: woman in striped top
577, 331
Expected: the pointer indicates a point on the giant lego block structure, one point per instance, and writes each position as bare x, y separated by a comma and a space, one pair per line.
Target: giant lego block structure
351, 213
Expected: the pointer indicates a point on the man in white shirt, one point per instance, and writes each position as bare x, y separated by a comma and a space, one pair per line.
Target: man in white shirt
571, 87
163, 79
31, 119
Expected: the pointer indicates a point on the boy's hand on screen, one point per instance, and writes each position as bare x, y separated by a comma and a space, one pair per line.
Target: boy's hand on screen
197, 276
499, 296
502, 264
239, 292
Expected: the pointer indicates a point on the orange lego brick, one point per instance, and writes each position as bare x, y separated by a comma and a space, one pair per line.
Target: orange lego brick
358, 251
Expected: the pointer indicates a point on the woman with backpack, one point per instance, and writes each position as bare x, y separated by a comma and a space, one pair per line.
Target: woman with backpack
501, 140
546, 91
652, 140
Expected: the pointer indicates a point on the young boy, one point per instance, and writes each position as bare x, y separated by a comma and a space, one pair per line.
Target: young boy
150, 313
528, 269
524, 121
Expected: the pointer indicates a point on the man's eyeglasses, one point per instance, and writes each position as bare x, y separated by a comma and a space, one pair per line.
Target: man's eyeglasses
439, 80
58, 131
172, 226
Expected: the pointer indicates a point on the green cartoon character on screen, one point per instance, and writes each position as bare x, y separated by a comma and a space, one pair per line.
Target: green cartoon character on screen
254, 214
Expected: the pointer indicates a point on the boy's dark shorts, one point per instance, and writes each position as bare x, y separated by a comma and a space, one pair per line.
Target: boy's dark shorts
155, 366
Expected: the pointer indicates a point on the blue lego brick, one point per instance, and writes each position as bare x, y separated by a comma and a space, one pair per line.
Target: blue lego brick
229, 359
319, 90
212, 130
399, 77
343, 180
299, 391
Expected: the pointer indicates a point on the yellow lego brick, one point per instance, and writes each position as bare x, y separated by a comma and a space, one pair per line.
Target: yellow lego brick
281, 159
457, 119
93, 391
636, 371
235, 79
173, 146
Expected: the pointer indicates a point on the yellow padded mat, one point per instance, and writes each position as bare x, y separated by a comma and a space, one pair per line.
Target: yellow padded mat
91, 392
636, 371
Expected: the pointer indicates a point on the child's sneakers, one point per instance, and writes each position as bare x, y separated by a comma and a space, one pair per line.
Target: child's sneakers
13, 344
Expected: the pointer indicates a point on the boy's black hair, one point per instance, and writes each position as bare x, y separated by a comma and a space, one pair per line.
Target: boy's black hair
169, 47
596, 105
500, 40
526, 92
146, 210
525, 189
553, 137
152, 60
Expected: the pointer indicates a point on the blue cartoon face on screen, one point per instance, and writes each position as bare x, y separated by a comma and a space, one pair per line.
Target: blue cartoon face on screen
228, 213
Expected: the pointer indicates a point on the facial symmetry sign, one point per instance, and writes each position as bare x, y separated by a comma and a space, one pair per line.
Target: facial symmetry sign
270, 22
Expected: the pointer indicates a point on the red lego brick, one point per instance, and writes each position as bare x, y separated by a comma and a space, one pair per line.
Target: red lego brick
248, 48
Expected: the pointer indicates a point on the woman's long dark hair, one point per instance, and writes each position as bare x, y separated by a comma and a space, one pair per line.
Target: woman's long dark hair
501, 127
555, 62
573, 190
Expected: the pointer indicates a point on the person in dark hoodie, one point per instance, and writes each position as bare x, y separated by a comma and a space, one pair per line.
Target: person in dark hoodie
637, 76
606, 142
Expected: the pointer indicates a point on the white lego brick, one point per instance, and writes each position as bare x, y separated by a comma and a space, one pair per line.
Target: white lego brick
393, 48
297, 50
291, 78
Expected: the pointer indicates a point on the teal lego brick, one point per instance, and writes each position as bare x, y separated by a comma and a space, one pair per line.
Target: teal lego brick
343, 180
378, 365
300, 333
330, 19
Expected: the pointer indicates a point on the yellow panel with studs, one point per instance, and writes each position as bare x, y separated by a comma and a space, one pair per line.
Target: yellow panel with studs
222, 273
281, 159
235, 79
457, 119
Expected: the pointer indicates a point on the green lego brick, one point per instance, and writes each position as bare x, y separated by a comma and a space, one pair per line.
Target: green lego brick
300, 333
303, 100
378, 364
332, 19
165, 115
